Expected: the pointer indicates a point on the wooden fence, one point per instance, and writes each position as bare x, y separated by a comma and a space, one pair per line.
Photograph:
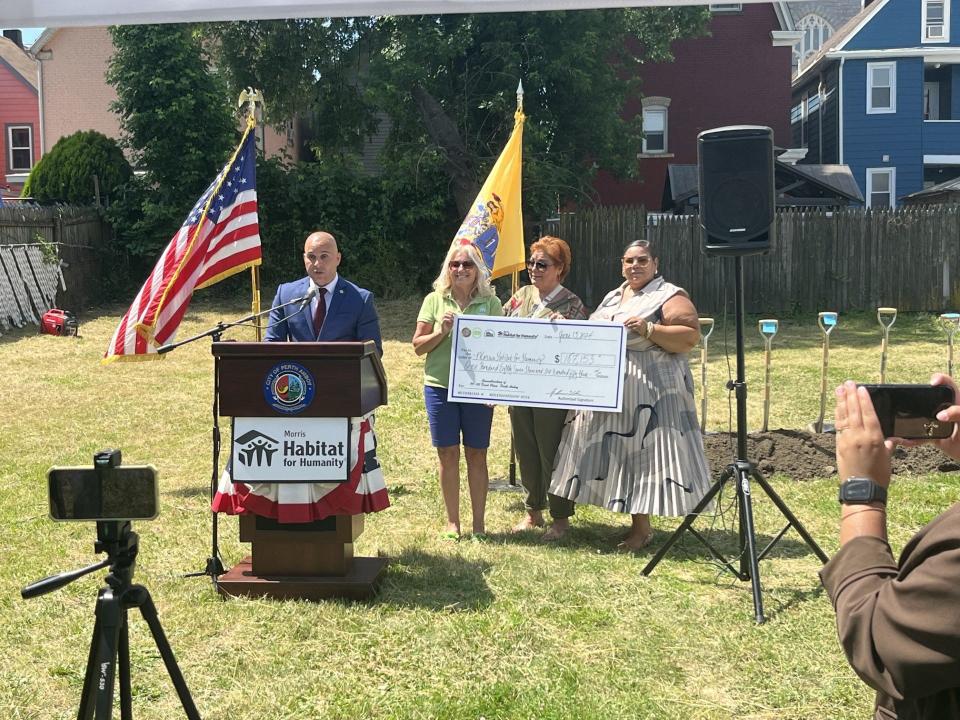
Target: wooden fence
77, 234
857, 259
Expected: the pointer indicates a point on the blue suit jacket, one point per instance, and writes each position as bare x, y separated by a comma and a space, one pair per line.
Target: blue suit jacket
350, 315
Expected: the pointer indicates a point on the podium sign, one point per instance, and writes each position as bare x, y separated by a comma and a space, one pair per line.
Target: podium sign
285, 450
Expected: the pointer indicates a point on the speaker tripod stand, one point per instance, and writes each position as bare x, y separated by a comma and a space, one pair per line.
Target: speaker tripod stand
741, 472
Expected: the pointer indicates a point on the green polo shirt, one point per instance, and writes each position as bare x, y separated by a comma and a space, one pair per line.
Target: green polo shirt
436, 369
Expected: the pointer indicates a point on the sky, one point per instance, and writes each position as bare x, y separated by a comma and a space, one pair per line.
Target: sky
30, 35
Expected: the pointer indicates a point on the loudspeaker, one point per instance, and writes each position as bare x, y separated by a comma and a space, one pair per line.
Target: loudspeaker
737, 196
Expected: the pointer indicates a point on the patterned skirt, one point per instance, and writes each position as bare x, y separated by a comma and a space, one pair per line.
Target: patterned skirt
646, 459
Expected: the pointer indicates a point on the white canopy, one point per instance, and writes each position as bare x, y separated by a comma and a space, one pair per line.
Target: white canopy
73, 13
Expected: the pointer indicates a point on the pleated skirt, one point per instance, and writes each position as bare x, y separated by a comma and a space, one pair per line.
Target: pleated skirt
647, 459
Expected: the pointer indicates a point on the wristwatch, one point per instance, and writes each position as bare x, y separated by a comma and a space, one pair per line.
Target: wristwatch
861, 490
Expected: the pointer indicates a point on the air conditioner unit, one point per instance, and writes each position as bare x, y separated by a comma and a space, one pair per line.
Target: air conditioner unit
934, 32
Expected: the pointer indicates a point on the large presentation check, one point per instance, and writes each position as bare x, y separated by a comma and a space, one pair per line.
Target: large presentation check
537, 363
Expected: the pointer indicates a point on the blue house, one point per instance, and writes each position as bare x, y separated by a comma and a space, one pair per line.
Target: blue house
882, 95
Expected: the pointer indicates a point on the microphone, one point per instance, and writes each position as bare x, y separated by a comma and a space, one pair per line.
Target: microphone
306, 299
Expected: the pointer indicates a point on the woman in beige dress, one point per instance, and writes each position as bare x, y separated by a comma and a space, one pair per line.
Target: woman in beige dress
647, 459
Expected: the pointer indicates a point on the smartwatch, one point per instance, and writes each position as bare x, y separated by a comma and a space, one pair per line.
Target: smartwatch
861, 490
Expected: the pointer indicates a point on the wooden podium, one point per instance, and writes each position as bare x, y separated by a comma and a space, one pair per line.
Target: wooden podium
314, 560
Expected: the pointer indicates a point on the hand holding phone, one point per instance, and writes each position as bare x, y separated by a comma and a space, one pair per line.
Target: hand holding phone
950, 445
862, 450
910, 411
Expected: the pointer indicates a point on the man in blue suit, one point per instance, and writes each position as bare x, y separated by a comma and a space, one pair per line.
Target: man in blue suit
339, 310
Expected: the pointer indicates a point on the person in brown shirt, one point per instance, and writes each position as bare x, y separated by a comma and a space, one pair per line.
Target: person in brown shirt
898, 622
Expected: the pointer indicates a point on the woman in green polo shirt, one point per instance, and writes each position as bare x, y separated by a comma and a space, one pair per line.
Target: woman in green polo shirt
462, 288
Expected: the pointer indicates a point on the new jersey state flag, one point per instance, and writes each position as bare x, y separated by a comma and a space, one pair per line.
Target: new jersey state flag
495, 221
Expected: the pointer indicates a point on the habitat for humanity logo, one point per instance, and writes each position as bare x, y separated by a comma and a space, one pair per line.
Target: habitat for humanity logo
256, 449
288, 387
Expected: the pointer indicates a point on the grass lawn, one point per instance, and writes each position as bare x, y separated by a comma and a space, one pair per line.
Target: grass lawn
511, 629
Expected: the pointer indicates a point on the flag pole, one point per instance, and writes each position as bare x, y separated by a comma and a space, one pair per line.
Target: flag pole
252, 97
514, 288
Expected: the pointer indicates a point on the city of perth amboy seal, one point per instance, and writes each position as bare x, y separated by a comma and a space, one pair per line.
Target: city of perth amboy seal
289, 387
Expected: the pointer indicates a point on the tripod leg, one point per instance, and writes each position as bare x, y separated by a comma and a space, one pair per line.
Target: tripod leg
791, 518
101, 663
149, 612
687, 522
87, 696
747, 533
123, 671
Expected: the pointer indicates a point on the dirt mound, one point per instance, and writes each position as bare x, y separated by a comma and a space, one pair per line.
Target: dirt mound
804, 455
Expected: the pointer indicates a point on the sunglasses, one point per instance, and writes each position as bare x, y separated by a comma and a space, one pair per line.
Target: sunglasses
457, 264
642, 261
538, 264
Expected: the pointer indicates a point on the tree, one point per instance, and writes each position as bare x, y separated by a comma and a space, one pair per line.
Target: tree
79, 169
447, 84
177, 123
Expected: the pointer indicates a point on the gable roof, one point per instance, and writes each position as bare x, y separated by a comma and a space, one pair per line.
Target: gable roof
45, 37
835, 12
842, 36
19, 61
826, 180
836, 179
948, 191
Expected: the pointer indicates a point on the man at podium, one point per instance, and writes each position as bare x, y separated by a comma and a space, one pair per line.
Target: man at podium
337, 311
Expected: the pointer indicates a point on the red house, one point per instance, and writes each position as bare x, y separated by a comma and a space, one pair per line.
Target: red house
739, 74
19, 113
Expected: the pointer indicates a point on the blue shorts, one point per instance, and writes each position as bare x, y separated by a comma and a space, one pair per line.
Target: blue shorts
449, 419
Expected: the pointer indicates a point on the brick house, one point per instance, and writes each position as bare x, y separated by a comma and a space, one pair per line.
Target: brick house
74, 93
738, 74
19, 113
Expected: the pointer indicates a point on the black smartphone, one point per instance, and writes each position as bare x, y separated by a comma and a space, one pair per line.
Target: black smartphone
126, 492
910, 411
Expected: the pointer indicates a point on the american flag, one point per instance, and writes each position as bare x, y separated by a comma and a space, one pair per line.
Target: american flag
207, 248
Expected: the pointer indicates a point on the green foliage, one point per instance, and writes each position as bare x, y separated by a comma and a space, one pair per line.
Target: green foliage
447, 84
389, 228
66, 173
307, 67
177, 124
578, 69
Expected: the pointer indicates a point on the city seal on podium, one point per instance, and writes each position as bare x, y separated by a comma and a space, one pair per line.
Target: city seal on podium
289, 387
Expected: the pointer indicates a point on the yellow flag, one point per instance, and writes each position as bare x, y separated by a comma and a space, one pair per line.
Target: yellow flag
495, 221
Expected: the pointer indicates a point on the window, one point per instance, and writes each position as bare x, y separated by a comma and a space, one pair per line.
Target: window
20, 147
726, 7
881, 187
931, 101
655, 125
815, 31
936, 21
881, 87
796, 114
804, 116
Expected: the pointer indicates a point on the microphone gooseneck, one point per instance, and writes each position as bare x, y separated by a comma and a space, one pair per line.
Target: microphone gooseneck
306, 299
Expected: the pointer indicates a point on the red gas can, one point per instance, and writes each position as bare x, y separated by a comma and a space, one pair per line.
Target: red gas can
59, 322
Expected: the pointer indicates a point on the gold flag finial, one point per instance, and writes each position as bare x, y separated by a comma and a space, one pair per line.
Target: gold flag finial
253, 98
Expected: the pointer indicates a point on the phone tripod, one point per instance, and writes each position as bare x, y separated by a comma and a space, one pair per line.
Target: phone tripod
741, 471
110, 647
